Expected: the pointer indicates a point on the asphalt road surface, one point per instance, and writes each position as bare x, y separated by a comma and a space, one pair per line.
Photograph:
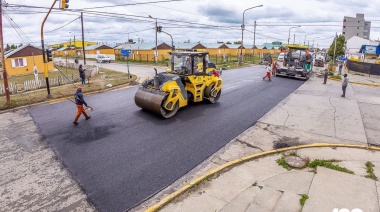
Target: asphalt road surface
124, 155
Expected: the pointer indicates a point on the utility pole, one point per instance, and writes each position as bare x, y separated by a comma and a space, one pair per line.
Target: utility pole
156, 53
294, 39
5, 77
336, 37
254, 40
84, 53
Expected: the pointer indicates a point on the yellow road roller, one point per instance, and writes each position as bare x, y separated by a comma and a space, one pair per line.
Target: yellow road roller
191, 77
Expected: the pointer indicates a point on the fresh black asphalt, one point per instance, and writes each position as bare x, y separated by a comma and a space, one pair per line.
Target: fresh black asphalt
124, 155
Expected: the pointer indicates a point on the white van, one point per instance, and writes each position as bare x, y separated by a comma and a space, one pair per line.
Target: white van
281, 57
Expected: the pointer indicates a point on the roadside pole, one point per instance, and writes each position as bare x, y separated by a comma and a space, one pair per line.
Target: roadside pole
336, 37
126, 53
45, 59
84, 53
129, 76
5, 77
254, 41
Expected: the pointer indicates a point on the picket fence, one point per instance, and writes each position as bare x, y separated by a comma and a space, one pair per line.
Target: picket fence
31, 85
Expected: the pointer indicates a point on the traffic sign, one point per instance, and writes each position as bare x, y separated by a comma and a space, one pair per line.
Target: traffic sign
126, 52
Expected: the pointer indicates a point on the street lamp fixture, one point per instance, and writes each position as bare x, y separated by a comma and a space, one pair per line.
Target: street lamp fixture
155, 53
289, 32
242, 34
304, 42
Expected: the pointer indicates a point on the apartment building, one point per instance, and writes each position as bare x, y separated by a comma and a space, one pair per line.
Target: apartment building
356, 26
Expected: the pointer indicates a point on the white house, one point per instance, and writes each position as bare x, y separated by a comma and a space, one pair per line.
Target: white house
354, 44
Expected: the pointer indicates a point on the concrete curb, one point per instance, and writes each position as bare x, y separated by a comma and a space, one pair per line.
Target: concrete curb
53, 101
230, 164
358, 83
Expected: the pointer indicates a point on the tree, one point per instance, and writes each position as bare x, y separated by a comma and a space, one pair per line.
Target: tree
20, 45
237, 42
228, 42
13, 46
7, 48
339, 47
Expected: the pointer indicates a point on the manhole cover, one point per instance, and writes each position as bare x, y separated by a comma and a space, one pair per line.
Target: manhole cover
295, 161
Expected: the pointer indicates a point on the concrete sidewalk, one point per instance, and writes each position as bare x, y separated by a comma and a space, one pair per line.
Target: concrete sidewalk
315, 113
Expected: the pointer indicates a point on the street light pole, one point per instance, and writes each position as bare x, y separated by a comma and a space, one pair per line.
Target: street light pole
171, 38
304, 42
289, 32
313, 40
242, 35
156, 53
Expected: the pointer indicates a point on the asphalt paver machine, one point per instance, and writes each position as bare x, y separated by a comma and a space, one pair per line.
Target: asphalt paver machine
191, 77
297, 63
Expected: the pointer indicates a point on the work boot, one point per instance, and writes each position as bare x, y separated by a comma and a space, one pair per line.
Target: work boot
75, 123
88, 117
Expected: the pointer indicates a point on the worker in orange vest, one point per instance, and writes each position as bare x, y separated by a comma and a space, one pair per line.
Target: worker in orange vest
269, 69
274, 67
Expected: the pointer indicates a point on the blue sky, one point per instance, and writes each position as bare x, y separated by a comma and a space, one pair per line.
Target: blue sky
206, 21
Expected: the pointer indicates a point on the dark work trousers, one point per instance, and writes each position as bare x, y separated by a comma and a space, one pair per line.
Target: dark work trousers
325, 80
344, 91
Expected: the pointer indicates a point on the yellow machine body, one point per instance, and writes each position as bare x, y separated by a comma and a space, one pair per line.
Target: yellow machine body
195, 81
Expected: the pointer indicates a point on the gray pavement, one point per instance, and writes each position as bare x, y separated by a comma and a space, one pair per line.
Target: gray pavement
31, 177
314, 113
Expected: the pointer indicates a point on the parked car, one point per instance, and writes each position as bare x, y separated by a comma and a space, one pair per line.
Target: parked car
102, 59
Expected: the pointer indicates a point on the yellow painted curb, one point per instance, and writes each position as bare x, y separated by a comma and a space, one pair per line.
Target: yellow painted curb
166, 200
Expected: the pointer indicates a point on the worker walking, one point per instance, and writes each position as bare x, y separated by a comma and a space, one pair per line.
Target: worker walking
274, 67
269, 70
340, 68
79, 101
325, 76
344, 85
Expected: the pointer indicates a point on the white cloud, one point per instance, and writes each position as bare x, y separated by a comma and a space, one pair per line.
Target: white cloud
191, 19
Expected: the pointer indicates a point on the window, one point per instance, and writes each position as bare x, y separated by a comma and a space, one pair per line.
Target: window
344, 20
358, 22
344, 33
358, 27
18, 62
344, 26
357, 33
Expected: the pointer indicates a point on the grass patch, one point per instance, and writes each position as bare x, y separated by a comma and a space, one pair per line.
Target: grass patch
331, 73
97, 83
303, 199
337, 77
329, 165
370, 170
255, 183
281, 162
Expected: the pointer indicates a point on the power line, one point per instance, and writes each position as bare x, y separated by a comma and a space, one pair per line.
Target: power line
63, 25
18, 30
138, 3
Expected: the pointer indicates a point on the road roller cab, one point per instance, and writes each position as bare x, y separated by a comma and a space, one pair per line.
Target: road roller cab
191, 77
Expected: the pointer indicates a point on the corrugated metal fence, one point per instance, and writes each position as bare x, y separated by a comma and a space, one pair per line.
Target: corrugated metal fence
366, 68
